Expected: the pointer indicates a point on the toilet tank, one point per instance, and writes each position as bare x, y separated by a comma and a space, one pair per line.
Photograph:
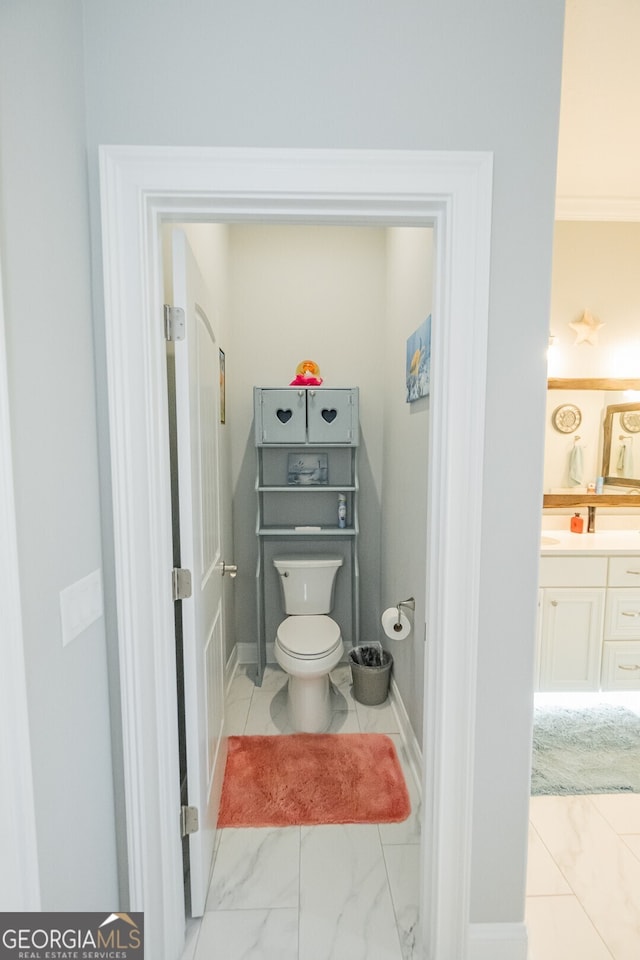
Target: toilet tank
307, 582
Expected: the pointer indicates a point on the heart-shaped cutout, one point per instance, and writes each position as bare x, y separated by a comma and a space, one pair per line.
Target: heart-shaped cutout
329, 415
284, 415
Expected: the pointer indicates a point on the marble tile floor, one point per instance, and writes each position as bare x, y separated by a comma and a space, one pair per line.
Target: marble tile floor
334, 892
583, 884
583, 881
311, 893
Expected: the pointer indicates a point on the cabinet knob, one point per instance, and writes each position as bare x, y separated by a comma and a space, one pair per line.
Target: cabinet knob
629, 666
554, 603
630, 613
230, 568
634, 572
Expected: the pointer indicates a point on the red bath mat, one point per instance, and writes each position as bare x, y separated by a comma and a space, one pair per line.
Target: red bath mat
312, 778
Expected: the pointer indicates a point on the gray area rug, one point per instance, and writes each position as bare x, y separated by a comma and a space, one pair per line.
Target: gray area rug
591, 750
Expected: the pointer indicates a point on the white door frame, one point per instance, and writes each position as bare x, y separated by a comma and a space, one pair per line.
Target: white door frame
141, 186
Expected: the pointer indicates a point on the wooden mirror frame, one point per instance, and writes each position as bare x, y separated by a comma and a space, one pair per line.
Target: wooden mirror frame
607, 429
591, 499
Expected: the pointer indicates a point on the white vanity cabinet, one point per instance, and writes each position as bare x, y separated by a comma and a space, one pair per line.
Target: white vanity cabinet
621, 648
589, 631
572, 617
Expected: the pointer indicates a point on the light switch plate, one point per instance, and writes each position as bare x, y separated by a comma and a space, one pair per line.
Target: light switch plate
80, 605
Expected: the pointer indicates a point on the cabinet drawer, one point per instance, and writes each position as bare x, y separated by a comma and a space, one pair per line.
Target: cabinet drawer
622, 617
573, 571
624, 572
621, 665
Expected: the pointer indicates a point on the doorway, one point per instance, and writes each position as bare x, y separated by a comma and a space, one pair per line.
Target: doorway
452, 192
350, 297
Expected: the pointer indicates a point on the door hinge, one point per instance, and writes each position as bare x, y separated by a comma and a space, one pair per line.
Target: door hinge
189, 822
174, 323
180, 583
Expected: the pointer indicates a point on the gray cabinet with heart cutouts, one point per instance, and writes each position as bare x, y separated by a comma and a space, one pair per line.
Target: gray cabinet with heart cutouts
306, 441
306, 415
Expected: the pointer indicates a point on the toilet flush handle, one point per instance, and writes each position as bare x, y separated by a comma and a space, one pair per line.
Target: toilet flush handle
230, 568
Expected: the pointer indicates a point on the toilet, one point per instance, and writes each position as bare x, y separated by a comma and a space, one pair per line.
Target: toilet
308, 643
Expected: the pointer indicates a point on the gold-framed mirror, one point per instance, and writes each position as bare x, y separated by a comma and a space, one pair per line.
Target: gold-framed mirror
587, 412
620, 468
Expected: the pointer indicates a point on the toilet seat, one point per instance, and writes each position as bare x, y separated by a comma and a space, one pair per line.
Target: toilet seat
308, 637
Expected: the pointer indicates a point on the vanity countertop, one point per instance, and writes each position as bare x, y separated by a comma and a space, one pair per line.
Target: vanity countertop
563, 542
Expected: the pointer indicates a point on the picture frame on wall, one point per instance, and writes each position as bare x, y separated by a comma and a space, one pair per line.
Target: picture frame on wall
223, 400
418, 367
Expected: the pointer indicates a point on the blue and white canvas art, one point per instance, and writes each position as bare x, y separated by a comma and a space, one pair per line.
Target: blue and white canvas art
419, 361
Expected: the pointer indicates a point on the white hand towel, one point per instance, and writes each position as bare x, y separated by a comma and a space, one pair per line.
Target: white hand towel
576, 466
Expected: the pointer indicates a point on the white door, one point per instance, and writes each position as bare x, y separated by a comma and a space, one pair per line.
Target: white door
197, 373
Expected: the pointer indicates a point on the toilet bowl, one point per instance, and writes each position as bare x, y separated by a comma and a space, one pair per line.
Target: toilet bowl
308, 648
308, 644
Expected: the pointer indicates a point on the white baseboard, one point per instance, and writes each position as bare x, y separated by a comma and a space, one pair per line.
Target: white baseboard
498, 941
247, 653
414, 752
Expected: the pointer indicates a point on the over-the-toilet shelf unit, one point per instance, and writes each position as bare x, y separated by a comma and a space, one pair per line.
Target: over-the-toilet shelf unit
297, 429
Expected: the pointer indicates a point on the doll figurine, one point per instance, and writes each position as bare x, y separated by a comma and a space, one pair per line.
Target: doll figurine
307, 375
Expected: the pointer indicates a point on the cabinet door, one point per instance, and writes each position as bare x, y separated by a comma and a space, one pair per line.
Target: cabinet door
280, 415
572, 621
332, 416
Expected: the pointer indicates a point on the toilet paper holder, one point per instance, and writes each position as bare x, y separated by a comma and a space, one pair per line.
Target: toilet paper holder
409, 602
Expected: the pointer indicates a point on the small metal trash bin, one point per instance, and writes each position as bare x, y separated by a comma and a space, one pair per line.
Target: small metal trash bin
371, 672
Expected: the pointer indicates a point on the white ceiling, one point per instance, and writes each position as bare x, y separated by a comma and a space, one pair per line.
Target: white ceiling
599, 140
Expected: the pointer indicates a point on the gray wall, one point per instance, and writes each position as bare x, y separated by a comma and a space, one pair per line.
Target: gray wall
406, 463
413, 74
44, 237
299, 292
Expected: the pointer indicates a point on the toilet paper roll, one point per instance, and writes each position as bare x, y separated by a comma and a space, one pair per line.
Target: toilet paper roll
390, 625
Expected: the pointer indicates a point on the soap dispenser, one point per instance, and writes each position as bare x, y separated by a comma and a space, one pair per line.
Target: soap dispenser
342, 511
577, 523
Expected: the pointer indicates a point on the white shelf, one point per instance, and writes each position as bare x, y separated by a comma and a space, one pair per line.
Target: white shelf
292, 532
309, 488
278, 515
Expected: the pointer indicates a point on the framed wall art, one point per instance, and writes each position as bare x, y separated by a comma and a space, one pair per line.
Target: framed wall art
418, 370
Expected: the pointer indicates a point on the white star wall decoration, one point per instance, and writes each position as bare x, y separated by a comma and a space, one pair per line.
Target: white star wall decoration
586, 329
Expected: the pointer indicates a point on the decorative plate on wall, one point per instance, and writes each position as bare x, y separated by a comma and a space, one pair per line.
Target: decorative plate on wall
566, 418
630, 421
